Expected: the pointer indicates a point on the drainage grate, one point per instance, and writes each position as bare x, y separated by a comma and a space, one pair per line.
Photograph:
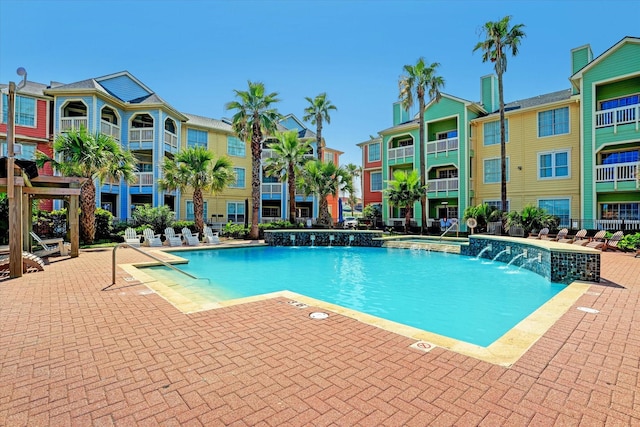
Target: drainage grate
423, 346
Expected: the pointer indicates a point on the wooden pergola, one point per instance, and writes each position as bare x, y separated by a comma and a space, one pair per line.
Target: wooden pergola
21, 194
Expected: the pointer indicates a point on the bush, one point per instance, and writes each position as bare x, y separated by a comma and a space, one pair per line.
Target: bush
50, 224
4, 219
179, 225
532, 218
483, 214
157, 218
630, 242
104, 227
237, 231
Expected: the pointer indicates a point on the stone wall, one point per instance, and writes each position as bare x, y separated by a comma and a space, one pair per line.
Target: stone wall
323, 238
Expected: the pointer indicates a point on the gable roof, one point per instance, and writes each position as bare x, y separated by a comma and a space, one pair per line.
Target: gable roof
578, 74
561, 95
206, 122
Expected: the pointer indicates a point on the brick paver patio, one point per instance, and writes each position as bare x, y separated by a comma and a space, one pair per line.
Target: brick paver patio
73, 354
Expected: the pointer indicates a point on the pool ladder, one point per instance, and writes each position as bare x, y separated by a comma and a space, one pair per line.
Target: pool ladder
155, 258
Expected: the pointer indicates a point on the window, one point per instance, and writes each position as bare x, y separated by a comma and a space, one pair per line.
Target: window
191, 213
235, 211
553, 122
25, 110
492, 172
145, 167
196, 138
376, 181
492, 132
447, 173
620, 211
611, 158
235, 147
405, 142
28, 151
620, 102
239, 182
374, 152
449, 134
553, 165
270, 212
557, 207
498, 204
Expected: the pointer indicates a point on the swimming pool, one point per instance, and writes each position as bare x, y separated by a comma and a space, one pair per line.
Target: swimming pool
470, 300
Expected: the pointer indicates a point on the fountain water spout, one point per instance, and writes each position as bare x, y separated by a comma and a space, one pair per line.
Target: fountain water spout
485, 249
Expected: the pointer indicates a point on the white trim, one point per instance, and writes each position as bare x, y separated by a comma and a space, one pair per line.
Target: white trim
500, 161
553, 154
553, 134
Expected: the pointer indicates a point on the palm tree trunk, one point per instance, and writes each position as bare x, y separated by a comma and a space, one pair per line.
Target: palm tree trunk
292, 195
88, 211
198, 209
503, 148
423, 164
324, 210
256, 172
407, 219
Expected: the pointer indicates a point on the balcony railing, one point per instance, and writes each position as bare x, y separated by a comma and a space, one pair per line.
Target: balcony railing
170, 139
110, 129
442, 146
143, 179
68, 123
140, 135
618, 116
401, 152
271, 189
442, 185
268, 153
618, 172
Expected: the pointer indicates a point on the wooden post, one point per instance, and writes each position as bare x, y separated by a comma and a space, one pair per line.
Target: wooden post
74, 225
15, 200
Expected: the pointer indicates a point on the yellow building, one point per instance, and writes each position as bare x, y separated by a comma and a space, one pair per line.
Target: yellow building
232, 204
543, 155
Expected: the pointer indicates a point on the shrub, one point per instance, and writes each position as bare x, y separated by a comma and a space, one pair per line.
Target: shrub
157, 218
179, 225
483, 214
237, 231
630, 242
4, 219
104, 225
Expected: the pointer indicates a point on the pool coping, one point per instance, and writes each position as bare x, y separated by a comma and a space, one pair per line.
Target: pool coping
505, 351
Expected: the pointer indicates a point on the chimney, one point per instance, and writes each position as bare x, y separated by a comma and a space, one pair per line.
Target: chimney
489, 92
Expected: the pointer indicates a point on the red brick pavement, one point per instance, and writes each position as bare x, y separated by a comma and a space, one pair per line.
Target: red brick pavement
72, 354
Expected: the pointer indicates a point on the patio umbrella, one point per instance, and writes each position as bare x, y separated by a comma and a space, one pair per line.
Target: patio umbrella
340, 218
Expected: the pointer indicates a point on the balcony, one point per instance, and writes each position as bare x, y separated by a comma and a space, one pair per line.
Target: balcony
618, 116
401, 152
140, 135
110, 129
68, 123
442, 146
143, 179
170, 140
618, 172
270, 190
442, 185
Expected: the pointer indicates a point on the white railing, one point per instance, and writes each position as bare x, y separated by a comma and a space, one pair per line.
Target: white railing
401, 152
110, 129
618, 116
440, 185
141, 135
170, 139
143, 179
272, 188
268, 153
68, 123
442, 146
616, 224
618, 172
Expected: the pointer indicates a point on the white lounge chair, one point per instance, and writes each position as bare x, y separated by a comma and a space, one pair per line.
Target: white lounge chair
30, 263
210, 236
171, 238
131, 238
189, 238
151, 239
50, 246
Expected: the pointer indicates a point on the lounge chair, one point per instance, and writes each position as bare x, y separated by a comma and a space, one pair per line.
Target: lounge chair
612, 243
580, 235
131, 238
189, 238
150, 239
541, 235
561, 235
50, 246
30, 263
210, 236
597, 241
171, 238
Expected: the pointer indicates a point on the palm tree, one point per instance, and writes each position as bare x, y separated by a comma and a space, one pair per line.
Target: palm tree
421, 79
499, 38
404, 190
318, 111
254, 118
287, 163
324, 179
354, 171
196, 168
93, 156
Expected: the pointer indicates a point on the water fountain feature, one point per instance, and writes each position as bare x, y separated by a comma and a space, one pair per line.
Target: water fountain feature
351, 238
489, 247
523, 254
331, 239
293, 239
507, 251
313, 239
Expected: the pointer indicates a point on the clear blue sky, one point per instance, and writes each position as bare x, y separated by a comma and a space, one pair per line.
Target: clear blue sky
194, 53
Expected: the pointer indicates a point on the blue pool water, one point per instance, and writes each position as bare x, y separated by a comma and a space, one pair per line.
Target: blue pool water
456, 296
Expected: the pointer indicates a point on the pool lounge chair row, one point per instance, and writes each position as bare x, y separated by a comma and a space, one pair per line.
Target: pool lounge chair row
171, 238
599, 241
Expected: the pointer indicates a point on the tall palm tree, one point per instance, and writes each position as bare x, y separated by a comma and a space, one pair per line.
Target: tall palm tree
403, 191
289, 159
318, 112
196, 168
254, 118
354, 171
500, 38
94, 156
324, 179
423, 80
